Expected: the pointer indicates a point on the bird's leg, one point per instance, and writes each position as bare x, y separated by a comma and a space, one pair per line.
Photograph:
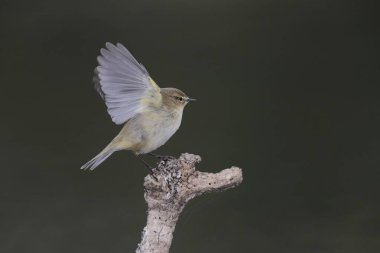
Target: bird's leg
145, 163
162, 157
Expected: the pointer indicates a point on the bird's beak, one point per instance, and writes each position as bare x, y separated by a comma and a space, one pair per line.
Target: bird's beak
191, 99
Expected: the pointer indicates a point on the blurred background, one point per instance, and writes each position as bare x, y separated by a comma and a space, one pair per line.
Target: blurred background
287, 90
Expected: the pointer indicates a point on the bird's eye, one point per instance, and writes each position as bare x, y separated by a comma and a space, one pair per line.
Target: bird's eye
179, 98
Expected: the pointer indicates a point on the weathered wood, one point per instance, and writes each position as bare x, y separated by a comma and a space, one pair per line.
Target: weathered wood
174, 182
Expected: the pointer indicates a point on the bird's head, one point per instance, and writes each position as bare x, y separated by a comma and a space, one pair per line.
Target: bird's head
175, 98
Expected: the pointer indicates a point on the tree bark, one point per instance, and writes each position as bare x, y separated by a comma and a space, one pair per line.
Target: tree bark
168, 189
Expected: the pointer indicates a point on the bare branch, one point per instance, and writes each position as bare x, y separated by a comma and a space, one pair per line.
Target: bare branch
173, 184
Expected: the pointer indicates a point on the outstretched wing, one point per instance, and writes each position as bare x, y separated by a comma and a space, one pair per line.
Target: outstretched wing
124, 83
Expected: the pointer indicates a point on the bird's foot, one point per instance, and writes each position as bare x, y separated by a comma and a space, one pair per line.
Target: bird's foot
151, 171
163, 157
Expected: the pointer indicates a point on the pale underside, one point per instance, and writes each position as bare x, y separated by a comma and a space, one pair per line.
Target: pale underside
148, 131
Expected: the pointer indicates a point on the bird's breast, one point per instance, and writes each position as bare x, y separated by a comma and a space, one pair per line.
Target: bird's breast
158, 126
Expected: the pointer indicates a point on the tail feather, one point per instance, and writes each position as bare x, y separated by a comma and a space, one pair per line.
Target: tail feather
94, 162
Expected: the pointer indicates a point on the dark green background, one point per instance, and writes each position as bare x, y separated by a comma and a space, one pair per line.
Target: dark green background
287, 90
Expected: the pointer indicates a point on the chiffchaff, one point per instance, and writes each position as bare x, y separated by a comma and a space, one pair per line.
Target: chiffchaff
151, 114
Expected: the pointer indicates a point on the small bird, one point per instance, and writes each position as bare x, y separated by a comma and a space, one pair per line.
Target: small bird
150, 114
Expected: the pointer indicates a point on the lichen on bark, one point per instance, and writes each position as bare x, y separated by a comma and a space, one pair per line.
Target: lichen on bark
168, 189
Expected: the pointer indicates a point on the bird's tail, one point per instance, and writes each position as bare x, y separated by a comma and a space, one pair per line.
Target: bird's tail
94, 162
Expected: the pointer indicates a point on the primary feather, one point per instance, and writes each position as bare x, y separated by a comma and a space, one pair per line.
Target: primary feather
124, 83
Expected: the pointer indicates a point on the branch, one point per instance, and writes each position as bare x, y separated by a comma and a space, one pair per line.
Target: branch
174, 182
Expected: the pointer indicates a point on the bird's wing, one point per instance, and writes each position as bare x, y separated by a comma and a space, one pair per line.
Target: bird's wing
124, 83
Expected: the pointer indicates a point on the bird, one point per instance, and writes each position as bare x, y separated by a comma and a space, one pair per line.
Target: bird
150, 114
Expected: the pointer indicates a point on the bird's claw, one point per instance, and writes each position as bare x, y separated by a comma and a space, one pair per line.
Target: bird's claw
163, 157
167, 158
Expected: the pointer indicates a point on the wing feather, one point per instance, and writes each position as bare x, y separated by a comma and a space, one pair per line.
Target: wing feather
123, 83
